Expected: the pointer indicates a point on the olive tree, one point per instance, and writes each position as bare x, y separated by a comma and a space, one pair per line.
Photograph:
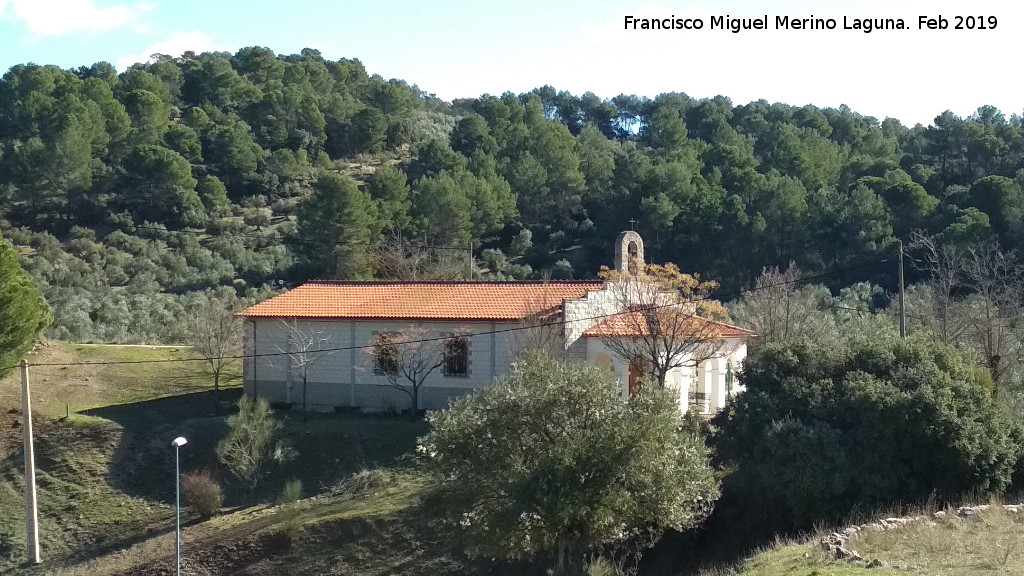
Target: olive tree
551, 462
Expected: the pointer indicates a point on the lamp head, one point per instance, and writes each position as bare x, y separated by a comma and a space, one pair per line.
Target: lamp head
179, 442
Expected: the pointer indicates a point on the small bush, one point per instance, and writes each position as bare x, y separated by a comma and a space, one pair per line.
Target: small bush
202, 493
292, 492
290, 527
253, 440
601, 567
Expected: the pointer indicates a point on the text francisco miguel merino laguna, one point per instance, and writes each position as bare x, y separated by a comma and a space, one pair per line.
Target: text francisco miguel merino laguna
735, 25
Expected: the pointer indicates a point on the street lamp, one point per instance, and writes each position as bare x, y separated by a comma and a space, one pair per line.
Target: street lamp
177, 443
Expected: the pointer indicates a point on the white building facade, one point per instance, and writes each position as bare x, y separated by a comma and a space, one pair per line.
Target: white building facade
335, 335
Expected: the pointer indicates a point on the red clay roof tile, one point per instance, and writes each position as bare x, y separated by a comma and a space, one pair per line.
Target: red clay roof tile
420, 300
624, 325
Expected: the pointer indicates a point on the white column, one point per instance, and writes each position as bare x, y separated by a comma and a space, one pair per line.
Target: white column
706, 386
719, 382
684, 389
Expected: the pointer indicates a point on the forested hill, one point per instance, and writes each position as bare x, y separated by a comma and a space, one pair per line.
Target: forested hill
131, 194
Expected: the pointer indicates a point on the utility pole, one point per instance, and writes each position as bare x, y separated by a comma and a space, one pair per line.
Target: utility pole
31, 510
903, 315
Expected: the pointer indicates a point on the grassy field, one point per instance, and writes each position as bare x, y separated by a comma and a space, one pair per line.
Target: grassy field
57, 388
989, 544
106, 490
83, 504
105, 475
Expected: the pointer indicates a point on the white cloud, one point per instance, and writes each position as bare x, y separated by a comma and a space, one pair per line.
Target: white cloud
196, 41
44, 18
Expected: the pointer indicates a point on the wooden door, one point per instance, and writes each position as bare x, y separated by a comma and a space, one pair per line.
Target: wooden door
636, 376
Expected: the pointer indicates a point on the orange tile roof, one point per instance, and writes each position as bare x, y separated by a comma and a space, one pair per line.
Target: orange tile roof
421, 300
634, 324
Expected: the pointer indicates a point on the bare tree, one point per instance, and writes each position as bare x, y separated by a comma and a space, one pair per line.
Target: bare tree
213, 331
407, 358
975, 300
946, 266
666, 319
398, 259
779, 310
541, 329
994, 307
305, 347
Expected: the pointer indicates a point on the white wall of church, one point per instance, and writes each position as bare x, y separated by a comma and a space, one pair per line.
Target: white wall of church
703, 388
343, 376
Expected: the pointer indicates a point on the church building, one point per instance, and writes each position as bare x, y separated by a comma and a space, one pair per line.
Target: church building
334, 345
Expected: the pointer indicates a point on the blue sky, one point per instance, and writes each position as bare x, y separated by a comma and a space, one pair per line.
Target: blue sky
459, 48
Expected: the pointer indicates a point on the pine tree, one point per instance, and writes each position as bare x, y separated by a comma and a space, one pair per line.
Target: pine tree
23, 312
335, 229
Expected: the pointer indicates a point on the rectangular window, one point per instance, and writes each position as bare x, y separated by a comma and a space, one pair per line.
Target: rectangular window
385, 354
456, 356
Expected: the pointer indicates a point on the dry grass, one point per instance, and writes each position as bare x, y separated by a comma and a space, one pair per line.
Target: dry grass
799, 560
80, 512
105, 493
247, 541
988, 544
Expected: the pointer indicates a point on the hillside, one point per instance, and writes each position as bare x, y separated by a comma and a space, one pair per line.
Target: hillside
89, 494
105, 475
132, 195
139, 201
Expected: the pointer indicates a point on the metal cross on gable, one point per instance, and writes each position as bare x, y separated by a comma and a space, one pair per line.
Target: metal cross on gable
632, 224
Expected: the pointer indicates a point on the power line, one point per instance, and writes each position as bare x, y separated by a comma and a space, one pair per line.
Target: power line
561, 322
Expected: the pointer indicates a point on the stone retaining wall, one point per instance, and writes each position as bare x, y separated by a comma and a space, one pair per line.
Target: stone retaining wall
836, 543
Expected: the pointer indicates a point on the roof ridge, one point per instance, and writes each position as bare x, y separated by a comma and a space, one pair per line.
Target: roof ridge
450, 282
421, 300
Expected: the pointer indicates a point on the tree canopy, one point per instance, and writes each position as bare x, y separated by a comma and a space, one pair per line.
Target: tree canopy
868, 422
549, 461
23, 313
228, 149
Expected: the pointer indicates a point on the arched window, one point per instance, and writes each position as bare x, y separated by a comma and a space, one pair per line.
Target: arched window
633, 252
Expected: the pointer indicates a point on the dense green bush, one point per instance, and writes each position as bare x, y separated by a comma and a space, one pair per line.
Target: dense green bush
549, 461
821, 430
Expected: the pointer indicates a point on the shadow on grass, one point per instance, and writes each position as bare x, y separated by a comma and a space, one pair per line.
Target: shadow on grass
329, 447
143, 464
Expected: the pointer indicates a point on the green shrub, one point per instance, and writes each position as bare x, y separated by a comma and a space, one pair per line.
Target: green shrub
549, 461
252, 441
820, 431
291, 493
202, 493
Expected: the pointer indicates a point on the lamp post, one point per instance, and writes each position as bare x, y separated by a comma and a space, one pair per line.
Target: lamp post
177, 443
